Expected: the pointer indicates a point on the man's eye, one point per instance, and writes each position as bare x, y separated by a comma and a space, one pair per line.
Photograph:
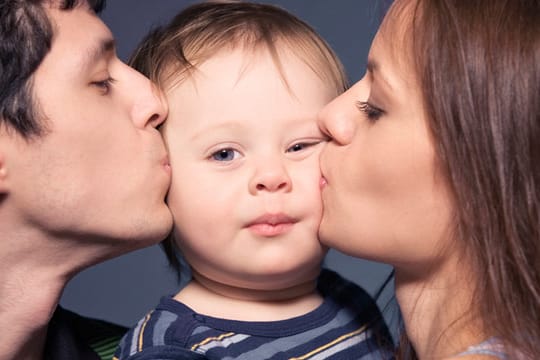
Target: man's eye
104, 85
225, 155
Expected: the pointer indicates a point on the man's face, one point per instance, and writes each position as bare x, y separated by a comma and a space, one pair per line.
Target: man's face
101, 171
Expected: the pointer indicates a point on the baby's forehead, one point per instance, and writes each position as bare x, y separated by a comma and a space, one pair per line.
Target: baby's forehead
283, 50
244, 72
234, 94
239, 67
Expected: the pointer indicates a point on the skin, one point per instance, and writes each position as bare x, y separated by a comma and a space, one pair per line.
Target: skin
251, 147
385, 199
90, 189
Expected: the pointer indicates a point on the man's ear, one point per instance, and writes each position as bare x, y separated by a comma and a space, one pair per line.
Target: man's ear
3, 174
4, 145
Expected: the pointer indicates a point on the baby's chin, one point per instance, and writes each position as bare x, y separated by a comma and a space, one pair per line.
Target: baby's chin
283, 283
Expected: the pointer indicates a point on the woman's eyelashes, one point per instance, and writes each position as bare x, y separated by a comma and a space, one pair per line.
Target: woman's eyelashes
372, 113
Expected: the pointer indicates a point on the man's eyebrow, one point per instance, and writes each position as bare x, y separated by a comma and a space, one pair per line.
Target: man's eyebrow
103, 48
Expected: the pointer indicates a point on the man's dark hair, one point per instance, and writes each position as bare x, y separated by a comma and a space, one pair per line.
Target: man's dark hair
25, 38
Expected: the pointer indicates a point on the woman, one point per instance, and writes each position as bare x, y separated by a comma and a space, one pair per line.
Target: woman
434, 169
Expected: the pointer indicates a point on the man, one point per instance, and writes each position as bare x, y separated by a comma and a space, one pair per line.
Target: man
83, 169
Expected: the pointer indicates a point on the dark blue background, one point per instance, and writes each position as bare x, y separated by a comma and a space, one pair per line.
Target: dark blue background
123, 289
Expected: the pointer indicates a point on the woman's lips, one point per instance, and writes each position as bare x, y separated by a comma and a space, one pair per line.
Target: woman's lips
323, 182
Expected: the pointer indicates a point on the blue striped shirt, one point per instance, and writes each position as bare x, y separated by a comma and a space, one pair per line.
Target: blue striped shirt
491, 347
347, 325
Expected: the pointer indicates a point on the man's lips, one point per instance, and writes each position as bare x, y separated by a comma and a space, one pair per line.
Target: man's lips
269, 225
166, 164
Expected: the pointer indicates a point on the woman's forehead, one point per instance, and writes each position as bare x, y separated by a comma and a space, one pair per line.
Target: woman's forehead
394, 40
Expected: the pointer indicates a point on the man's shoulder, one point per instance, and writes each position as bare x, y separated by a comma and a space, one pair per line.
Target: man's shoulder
72, 336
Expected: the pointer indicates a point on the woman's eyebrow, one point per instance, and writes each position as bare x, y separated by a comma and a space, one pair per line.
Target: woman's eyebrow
374, 68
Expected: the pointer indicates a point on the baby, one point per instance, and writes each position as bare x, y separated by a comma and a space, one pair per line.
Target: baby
244, 83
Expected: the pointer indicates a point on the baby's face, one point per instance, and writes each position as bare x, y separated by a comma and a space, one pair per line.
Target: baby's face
244, 149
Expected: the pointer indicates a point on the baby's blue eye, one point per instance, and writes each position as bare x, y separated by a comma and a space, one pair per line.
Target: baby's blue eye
224, 155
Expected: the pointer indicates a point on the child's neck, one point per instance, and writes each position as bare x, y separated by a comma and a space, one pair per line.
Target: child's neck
228, 302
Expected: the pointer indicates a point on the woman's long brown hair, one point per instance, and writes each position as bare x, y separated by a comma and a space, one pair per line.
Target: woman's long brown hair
478, 66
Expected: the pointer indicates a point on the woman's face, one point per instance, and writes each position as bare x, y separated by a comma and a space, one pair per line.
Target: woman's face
384, 198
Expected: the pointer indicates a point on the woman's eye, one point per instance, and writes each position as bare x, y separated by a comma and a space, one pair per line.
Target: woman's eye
225, 155
372, 113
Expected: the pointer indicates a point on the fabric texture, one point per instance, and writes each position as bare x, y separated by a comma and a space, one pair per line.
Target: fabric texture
71, 336
348, 325
489, 347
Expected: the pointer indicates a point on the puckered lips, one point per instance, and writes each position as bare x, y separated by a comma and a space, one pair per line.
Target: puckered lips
323, 182
165, 163
270, 225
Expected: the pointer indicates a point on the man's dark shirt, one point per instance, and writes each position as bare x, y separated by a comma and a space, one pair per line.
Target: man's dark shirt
74, 337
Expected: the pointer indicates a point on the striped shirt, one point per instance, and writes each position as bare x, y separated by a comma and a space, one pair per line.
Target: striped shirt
347, 325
